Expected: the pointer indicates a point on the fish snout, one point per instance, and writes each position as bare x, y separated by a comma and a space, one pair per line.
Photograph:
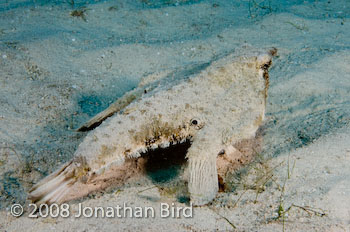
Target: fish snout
264, 59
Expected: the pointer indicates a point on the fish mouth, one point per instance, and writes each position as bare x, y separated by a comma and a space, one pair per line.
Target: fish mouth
166, 163
152, 144
165, 167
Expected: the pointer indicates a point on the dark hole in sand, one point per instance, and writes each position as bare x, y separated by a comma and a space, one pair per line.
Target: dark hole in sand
165, 164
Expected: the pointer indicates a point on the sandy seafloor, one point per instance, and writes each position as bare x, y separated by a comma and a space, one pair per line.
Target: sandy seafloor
57, 71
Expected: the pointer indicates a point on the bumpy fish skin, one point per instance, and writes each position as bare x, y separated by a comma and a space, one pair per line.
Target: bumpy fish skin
215, 109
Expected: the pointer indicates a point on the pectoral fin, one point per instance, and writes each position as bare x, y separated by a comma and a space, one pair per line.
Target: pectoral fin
203, 176
117, 106
144, 86
203, 180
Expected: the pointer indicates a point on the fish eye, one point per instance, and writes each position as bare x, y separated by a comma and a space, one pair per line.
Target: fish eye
222, 152
196, 123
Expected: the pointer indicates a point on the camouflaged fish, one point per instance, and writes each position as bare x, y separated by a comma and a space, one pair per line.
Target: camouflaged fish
216, 109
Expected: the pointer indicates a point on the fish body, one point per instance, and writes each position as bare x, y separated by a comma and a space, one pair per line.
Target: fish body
215, 109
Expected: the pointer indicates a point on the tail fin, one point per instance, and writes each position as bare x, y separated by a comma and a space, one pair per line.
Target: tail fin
54, 187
